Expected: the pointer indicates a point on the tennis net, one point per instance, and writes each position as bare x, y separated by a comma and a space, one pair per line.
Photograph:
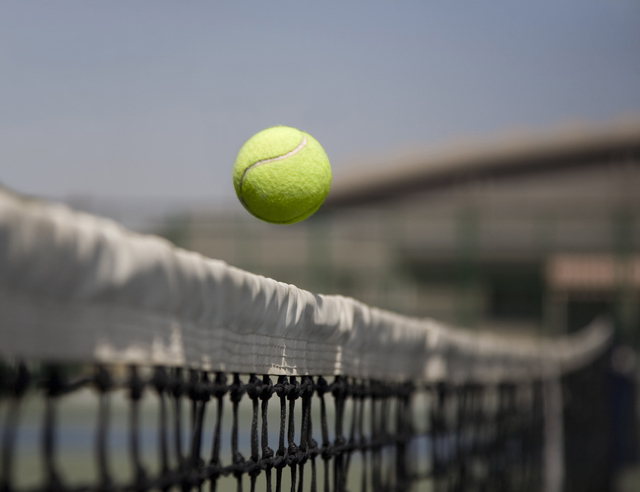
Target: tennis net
129, 364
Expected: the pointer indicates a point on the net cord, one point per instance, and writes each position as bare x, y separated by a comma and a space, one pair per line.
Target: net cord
75, 287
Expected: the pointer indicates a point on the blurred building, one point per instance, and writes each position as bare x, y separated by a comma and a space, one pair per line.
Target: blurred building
525, 232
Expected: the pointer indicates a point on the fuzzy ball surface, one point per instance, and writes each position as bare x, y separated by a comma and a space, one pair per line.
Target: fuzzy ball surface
282, 175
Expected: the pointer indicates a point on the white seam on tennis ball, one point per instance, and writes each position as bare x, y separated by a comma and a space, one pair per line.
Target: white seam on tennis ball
273, 159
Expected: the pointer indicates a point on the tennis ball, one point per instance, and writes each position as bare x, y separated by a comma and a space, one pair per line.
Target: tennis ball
282, 175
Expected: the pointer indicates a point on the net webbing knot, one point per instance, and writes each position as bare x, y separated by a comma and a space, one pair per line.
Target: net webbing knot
177, 386
160, 379
219, 386
199, 387
236, 389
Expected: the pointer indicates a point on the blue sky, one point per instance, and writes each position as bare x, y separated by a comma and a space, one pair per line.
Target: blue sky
153, 99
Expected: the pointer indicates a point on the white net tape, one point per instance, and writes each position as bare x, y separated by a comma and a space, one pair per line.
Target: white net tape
74, 287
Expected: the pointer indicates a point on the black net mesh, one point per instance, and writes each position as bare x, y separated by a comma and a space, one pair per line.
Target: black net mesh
139, 428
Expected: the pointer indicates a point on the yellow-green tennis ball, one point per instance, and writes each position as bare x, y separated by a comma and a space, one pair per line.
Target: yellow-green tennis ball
282, 175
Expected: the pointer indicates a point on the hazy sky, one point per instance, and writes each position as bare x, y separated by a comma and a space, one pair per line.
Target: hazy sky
155, 98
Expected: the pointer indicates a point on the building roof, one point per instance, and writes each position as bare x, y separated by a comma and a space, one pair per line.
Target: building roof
405, 173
